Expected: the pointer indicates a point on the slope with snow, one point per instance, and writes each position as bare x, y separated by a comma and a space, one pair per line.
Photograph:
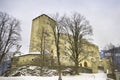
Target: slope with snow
33, 73
98, 76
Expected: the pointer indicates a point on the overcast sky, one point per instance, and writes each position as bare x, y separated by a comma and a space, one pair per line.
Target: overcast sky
104, 16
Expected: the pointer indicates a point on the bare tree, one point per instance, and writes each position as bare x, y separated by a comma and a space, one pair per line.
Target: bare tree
57, 29
9, 34
40, 46
77, 28
110, 53
17, 50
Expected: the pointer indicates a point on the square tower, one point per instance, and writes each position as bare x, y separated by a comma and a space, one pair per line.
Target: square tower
42, 37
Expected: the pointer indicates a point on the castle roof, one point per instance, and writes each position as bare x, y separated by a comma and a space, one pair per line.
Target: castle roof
46, 16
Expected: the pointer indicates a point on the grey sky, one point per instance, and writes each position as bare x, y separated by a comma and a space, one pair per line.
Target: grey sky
104, 16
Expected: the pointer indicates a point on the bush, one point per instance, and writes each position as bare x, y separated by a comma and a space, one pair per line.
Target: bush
85, 70
111, 76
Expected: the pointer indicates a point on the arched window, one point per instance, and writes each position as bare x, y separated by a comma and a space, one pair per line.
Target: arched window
85, 64
80, 64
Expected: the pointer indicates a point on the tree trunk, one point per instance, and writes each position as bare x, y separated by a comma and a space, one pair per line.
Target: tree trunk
59, 68
76, 68
59, 64
1, 58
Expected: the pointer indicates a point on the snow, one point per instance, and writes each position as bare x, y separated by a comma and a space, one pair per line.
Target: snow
82, 76
25, 71
33, 73
32, 67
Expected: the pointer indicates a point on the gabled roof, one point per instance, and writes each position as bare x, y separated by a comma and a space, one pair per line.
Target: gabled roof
46, 16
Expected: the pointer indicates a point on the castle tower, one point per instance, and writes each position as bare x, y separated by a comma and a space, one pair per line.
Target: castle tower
42, 34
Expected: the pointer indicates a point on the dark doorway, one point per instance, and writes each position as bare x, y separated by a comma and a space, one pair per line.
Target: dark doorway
85, 64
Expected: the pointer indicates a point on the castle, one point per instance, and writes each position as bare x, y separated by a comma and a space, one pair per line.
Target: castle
42, 40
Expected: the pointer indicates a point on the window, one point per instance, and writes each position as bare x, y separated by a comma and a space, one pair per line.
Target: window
65, 48
47, 22
52, 51
85, 64
80, 64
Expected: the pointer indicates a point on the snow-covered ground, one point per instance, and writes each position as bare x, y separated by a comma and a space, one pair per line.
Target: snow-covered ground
33, 73
82, 76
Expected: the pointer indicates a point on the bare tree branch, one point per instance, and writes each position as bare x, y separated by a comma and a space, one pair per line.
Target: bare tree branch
77, 27
9, 33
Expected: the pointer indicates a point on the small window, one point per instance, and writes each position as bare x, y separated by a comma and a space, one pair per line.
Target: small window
80, 64
52, 51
